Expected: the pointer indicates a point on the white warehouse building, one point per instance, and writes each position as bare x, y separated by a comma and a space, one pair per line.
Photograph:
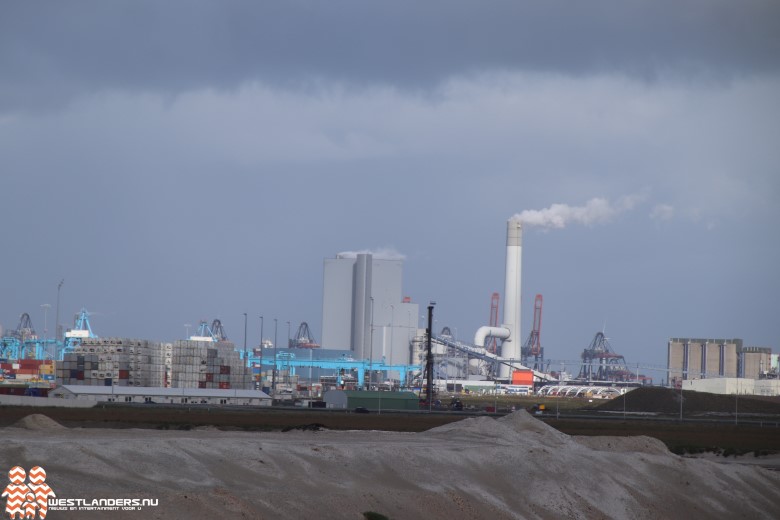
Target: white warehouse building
159, 395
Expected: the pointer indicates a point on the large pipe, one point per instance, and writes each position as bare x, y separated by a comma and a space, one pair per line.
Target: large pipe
489, 332
510, 348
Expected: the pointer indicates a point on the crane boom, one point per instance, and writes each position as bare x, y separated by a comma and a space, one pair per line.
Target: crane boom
533, 345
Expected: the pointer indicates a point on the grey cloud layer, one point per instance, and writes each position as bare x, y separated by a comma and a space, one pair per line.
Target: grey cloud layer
52, 52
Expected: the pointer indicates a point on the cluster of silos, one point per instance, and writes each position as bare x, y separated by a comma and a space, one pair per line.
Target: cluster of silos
701, 358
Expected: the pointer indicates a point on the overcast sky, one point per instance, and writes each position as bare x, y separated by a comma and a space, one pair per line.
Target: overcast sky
177, 161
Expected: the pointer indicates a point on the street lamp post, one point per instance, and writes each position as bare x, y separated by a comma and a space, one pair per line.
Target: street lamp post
45, 308
273, 374
495, 396
624, 402
289, 336
57, 325
429, 357
371, 347
261, 352
245, 358
681, 400
392, 327
411, 327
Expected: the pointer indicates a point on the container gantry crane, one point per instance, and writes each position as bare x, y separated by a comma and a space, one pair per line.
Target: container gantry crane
303, 338
532, 353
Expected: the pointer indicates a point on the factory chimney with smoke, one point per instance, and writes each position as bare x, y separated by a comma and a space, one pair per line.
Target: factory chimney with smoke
509, 331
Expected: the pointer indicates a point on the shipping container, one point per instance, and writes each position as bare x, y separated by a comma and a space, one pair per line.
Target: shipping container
523, 377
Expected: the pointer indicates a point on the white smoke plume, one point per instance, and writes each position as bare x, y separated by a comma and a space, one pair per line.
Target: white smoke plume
558, 216
387, 253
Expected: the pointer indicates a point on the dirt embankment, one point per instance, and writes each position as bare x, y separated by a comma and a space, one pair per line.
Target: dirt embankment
513, 467
667, 401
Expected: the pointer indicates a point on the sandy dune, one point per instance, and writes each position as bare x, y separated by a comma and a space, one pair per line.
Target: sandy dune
514, 467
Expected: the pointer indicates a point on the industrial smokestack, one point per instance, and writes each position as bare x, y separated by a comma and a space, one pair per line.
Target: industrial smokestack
510, 348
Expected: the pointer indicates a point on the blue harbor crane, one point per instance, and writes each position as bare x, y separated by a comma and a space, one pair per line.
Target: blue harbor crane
81, 329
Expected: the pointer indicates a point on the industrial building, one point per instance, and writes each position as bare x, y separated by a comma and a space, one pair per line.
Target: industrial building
695, 358
157, 395
363, 309
734, 386
370, 339
349, 400
755, 362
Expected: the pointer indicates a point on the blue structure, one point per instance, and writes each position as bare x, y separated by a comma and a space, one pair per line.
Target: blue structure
81, 329
10, 348
286, 359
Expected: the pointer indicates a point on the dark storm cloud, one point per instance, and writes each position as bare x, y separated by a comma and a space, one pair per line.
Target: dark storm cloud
50, 52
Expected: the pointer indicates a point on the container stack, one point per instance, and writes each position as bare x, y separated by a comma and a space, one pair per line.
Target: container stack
285, 379
80, 369
114, 361
161, 364
142, 363
203, 364
23, 371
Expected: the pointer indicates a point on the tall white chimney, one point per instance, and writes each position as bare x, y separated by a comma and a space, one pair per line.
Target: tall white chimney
514, 247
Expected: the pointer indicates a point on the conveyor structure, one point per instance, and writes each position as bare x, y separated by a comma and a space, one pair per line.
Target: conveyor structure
288, 361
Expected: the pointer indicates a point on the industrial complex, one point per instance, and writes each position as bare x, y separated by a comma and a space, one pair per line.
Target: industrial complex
370, 342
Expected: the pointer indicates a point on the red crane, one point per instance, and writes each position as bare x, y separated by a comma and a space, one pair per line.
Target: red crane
533, 345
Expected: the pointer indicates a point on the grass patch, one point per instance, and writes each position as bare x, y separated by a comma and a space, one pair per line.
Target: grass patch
372, 515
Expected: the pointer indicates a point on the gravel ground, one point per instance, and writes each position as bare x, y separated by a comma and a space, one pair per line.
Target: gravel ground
513, 467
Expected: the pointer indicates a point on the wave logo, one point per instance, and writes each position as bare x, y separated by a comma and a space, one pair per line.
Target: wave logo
27, 500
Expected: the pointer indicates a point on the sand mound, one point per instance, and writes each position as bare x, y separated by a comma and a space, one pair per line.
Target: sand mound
637, 444
474, 428
516, 428
526, 424
476, 468
38, 421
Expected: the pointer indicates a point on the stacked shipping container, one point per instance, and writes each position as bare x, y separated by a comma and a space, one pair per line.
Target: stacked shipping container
24, 371
118, 362
203, 364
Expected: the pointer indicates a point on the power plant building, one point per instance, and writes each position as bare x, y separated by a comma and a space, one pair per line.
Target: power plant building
363, 309
692, 358
756, 362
